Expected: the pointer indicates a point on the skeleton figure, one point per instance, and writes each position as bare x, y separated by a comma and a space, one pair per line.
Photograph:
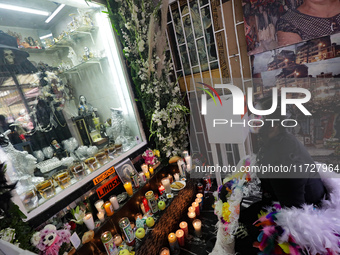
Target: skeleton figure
9, 57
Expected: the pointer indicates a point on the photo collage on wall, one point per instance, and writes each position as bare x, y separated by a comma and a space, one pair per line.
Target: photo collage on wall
312, 63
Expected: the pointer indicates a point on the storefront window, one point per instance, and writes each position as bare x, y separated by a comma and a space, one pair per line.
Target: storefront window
66, 108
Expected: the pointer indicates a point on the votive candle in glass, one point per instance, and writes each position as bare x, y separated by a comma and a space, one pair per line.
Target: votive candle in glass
180, 237
176, 175
151, 170
197, 208
164, 251
166, 184
114, 202
191, 215
184, 226
117, 239
101, 216
89, 222
108, 208
144, 168
100, 206
128, 188
198, 227
188, 161
161, 189
147, 175
180, 164
142, 177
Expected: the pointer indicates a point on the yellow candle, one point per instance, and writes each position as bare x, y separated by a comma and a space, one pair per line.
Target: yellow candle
108, 208
147, 175
172, 238
151, 170
128, 188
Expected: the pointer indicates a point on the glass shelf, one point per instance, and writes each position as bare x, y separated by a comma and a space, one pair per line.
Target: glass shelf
91, 61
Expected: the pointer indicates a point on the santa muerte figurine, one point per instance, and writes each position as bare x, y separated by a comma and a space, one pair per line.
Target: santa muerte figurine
59, 151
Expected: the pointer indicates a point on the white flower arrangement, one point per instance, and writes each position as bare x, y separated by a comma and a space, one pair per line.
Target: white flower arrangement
144, 47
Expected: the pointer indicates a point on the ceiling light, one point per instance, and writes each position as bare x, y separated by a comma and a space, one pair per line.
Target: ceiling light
45, 36
55, 13
23, 9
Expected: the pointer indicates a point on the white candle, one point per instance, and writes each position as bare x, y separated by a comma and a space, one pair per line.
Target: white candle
197, 226
145, 168
101, 216
166, 184
142, 177
180, 164
114, 202
100, 206
176, 175
142, 208
188, 161
191, 215
88, 220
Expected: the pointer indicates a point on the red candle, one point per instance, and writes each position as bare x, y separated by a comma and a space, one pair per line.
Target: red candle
197, 208
184, 226
161, 189
146, 206
180, 237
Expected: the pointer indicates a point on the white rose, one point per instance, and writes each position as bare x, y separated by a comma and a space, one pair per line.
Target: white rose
35, 238
50, 227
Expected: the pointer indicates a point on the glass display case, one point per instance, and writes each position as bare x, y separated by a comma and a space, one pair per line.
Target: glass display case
67, 111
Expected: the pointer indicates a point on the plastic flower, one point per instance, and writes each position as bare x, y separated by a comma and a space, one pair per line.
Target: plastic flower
225, 211
35, 238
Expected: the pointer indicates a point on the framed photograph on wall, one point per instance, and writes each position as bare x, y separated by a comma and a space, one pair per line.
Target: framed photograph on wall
124, 170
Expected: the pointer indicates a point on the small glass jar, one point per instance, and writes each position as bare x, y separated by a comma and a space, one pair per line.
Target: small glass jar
101, 158
46, 188
63, 179
78, 171
30, 199
91, 163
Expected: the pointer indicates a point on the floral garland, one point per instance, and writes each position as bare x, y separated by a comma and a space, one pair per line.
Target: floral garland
228, 200
134, 21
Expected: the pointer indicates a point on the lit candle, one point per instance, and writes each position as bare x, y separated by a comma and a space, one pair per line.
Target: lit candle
164, 251
197, 226
180, 237
144, 168
171, 178
88, 220
197, 208
191, 215
101, 216
142, 177
184, 226
176, 175
191, 209
188, 161
99, 206
161, 189
114, 202
174, 247
147, 175
117, 239
180, 164
128, 188
108, 208
166, 184
200, 195
199, 202
151, 170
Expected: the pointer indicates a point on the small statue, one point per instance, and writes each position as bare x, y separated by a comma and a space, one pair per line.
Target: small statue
59, 151
84, 108
86, 53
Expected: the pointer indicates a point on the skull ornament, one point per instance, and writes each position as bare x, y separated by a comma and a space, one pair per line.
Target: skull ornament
9, 57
